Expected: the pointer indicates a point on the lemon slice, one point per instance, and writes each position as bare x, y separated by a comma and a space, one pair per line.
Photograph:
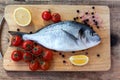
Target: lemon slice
22, 16
79, 60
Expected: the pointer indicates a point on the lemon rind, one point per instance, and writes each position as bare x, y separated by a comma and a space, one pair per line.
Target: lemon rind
71, 60
17, 21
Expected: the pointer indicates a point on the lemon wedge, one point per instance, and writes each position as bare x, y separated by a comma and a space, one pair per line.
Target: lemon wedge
22, 16
79, 60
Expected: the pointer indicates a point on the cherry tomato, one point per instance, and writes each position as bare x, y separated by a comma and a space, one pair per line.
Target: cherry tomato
16, 55
44, 65
37, 50
28, 45
56, 17
16, 40
47, 55
34, 65
27, 57
46, 15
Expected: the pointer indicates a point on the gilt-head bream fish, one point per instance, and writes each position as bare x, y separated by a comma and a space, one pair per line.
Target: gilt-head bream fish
65, 36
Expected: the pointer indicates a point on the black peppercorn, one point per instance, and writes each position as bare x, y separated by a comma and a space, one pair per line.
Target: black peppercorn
30, 32
93, 7
64, 61
74, 19
92, 13
98, 27
73, 51
93, 16
91, 27
55, 51
86, 53
87, 20
94, 20
60, 53
77, 11
86, 13
98, 55
80, 17
63, 56
18, 29
96, 23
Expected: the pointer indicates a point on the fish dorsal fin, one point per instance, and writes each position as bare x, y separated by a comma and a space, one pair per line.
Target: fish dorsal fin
17, 33
70, 35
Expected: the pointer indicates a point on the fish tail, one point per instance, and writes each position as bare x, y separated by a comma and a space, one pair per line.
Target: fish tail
17, 33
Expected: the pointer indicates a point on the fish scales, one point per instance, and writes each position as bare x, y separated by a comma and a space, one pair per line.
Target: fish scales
65, 36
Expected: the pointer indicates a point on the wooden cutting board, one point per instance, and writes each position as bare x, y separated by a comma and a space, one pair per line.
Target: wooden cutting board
99, 55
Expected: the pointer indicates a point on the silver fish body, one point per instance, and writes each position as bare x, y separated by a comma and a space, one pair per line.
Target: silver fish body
65, 36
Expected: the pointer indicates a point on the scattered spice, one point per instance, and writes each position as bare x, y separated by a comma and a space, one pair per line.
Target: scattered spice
93, 7
74, 19
78, 11
80, 17
64, 61
30, 32
63, 56
86, 13
92, 13
91, 27
98, 55
55, 51
94, 20
18, 29
87, 20
73, 51
98, 27
86, 53
60, 53
93, 16
96, 23
35, 43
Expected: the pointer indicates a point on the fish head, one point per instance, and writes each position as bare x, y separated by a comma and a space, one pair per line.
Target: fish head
89, 37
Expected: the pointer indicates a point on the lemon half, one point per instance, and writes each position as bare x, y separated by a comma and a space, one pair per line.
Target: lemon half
79, 60
22, 16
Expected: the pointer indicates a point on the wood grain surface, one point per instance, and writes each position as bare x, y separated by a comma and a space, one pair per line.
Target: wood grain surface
112, 74
67, 12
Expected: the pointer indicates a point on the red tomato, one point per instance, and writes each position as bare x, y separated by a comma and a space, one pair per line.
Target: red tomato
47, 55
44, 65
28, 45
27, 57
34, 65
16, 55
16, 40
37, 50
46, 15
56, 17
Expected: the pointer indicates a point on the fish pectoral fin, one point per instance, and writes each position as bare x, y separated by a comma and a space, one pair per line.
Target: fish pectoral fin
81, 32
70, 35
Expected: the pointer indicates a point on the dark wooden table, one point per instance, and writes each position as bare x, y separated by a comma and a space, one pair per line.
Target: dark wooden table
112, 74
